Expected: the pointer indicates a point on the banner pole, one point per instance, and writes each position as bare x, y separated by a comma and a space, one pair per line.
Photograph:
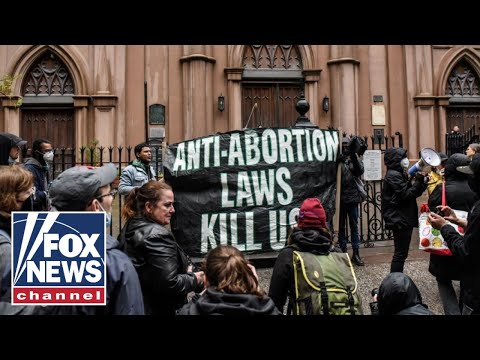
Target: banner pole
336, 218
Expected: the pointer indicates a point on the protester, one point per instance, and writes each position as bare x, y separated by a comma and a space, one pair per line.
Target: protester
466, 248
472, 149
398, 295
399, 205
162, 265
352, 167
311, 236
231, 287
38, 165
10, 148
15, 187
138, 172
459, 196
85, 188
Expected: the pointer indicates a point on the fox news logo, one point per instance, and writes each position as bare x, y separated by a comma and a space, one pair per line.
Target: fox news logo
58, 258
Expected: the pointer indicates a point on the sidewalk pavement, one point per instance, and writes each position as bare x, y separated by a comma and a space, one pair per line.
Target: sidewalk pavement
377, 265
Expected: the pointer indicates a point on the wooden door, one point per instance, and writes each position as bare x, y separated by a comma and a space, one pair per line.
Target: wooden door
55, 125
275, 104
464, 117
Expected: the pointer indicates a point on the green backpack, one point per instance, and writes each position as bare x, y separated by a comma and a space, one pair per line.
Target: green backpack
325, 285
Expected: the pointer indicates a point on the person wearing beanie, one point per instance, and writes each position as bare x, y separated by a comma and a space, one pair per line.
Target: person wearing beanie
310, 235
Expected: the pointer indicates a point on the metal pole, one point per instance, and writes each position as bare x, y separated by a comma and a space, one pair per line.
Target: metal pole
336, 218
146, 111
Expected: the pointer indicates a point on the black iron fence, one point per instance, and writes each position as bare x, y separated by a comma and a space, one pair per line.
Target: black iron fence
97, 156
371, 225
458, 143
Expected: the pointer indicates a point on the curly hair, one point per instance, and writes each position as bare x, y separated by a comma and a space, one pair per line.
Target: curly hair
227, 270
14, 180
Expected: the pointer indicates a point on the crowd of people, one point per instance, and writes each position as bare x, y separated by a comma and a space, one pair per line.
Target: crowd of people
149, 273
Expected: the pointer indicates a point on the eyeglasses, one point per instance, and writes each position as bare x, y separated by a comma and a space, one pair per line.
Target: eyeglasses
112, 193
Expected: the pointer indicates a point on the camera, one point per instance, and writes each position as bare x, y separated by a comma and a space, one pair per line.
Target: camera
357, 145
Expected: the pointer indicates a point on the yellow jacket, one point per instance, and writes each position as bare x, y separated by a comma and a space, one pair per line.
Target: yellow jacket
435, 179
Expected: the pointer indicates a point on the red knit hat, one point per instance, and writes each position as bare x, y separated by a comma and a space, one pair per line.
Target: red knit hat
312, 214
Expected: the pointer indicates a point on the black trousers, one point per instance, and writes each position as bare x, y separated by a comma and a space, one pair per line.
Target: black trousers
401, 241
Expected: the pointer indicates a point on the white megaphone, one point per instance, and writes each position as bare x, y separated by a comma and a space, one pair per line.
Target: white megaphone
428, 156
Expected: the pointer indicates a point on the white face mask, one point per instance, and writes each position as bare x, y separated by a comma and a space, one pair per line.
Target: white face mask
48, 157
404, 163
12, 161
108, 216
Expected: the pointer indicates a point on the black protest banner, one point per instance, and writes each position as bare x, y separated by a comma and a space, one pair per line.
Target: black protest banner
245, 188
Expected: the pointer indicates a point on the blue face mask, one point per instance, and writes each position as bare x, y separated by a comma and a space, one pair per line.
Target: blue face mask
108, 216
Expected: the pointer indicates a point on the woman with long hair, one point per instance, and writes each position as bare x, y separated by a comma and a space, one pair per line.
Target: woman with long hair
163, 267
232, 287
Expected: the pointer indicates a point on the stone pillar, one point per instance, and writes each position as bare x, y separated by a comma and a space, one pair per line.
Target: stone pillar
234, 98
11, 115
103, 101
198, 98
80, 104
420, 85
312, 77
344, 84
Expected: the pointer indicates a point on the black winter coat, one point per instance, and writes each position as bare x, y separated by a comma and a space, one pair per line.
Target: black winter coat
399, 205
467, 249
161, 265
282, 283
459, 197
39, 201
398, 295
352, 167
219, 303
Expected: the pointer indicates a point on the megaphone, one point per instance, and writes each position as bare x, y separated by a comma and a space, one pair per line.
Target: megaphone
428, 156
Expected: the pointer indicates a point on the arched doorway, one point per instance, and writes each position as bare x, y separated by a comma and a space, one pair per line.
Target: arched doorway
272, 78
47, 111
464, 103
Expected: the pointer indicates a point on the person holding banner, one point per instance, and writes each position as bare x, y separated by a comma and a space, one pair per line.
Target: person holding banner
399, 204
163, 267
232, 287
467, 247
352, 169
458, 195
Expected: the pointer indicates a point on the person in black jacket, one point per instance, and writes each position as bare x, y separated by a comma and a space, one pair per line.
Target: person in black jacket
42, 157
352, 167
466, 248
231, 287
310, 235
164, 269
398, 295
399, 205
459, 196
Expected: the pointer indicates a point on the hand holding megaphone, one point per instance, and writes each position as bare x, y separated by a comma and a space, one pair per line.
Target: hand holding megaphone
428, 156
